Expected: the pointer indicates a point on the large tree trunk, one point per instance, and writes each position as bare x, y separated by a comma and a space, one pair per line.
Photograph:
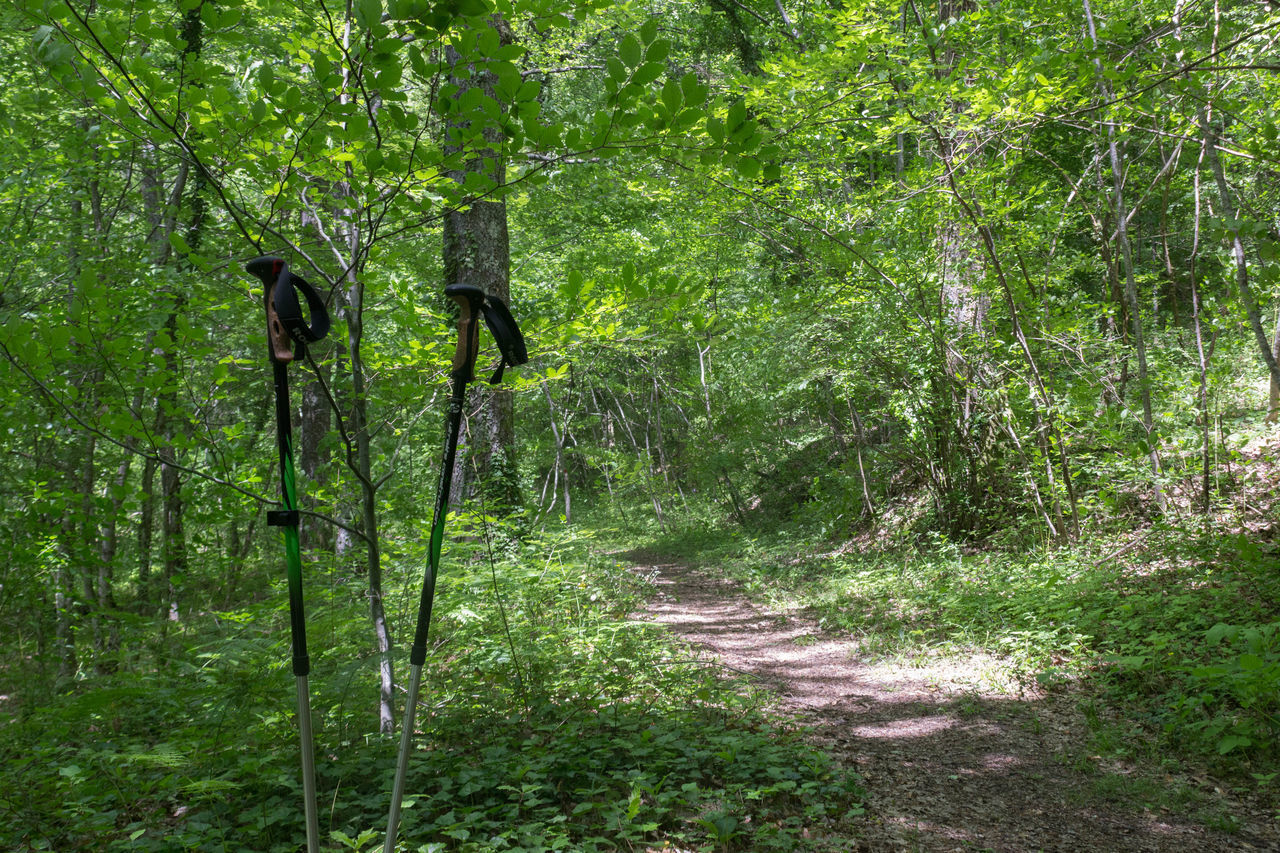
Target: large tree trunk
477, 251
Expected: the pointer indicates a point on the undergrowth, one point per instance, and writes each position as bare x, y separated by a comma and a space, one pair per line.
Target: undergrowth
551, 721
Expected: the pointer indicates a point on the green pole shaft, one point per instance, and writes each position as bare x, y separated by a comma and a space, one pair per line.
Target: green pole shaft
288, 519
418, 651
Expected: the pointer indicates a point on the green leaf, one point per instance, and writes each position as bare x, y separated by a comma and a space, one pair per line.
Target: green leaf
671, 96
647, 73
1251, 662
715, 129
658, 51
1220, 631
1231, 742
630, 51
649, 30
694, 92
368, 13
571, 286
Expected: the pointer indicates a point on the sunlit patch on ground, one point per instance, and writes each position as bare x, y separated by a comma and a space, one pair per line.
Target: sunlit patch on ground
958, 748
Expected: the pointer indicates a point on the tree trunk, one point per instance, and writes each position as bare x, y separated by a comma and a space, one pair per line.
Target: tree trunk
173, 546
369, 506
1210, 151
108, 544
1130, 283
868, 505
1203, 363
477, 251
146, 535
1243, 287
314, 456
63, 631
562, 472
1273, 399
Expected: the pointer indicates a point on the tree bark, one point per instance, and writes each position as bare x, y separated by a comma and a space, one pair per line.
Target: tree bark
1273, 397
1203, 362
363, 466
477, 251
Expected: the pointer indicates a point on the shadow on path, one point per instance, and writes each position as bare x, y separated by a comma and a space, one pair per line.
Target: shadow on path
949, 762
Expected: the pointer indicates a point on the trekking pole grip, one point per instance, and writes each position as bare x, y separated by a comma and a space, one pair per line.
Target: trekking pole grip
277, 335
470, 299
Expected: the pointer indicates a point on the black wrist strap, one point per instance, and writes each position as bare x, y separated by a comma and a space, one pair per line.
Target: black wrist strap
506, 334
289, 310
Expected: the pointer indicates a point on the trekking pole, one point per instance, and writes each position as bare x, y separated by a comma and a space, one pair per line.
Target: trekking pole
471, 302
287, 337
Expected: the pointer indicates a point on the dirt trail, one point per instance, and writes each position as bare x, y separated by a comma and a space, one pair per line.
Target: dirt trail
951, 761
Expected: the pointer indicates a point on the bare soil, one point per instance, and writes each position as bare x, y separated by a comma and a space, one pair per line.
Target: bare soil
953, 757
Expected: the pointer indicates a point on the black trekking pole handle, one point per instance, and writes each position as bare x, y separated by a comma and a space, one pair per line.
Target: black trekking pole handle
288, 331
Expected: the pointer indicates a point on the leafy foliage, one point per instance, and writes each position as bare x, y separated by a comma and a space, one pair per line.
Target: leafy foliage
595, 733
976, 289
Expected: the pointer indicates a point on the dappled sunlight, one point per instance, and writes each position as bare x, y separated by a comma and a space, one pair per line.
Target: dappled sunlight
905, 728
955, 751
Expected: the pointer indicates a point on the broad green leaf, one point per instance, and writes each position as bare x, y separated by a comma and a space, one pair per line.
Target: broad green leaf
647, 73
715, 129
694, 92
671, 96
629, 51
368, 13
658, 51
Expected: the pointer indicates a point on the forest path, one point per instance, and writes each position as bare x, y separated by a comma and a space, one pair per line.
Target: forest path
951, 759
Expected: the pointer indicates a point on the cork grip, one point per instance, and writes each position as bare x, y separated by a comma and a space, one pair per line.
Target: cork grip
470, 300
464, 355
277, 336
